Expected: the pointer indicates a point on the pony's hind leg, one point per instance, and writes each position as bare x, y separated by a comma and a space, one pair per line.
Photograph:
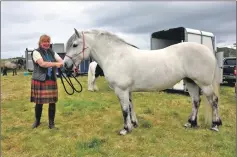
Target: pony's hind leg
132, 112
193, 90
216, 120
213, 101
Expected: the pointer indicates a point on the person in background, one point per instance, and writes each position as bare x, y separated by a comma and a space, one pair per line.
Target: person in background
44, 89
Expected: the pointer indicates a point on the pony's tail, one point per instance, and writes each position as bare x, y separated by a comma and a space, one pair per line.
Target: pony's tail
89, 78
216, 83
216, 90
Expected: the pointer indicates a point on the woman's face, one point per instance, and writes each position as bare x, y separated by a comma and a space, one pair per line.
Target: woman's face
45, 44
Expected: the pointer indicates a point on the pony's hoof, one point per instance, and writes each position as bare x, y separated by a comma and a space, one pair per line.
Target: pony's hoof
123, 132
215, 128
187, 125
91, 90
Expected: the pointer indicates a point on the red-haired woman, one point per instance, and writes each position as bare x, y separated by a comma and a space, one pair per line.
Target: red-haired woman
44, 80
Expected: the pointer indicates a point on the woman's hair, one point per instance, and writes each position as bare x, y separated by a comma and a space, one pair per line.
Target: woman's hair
44, 37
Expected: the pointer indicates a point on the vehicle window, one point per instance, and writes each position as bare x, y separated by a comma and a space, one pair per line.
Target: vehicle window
230, 62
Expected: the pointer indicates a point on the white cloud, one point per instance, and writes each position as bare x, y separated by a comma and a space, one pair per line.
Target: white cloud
23, 22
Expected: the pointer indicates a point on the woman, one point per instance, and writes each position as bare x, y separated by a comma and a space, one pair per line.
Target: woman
44, 80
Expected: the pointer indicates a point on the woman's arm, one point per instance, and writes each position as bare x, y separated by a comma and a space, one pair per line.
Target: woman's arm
38, 59
44, 64
58, 58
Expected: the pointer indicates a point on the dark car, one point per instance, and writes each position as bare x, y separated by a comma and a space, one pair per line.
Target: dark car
229, 70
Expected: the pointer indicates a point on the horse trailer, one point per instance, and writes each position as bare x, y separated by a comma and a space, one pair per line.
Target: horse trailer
165, 38
29, 62
59, 48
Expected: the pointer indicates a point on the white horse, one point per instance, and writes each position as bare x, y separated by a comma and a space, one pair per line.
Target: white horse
128, 69
92, 77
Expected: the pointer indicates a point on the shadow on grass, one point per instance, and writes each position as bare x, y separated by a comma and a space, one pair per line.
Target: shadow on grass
90, 147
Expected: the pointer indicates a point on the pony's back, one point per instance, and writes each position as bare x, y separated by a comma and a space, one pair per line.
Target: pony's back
10, 65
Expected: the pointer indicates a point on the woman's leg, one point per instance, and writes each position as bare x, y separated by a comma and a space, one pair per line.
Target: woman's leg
51, 114
38, 113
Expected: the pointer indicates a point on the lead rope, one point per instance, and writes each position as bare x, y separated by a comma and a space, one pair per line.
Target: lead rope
69, 82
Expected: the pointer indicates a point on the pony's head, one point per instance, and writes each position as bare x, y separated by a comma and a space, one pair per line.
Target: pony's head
77, 50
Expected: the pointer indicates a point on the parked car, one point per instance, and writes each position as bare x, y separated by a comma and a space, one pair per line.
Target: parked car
229, 70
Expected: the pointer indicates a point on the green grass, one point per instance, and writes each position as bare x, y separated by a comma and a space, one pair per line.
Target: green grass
89, 122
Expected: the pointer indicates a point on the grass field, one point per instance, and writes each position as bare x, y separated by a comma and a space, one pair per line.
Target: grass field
89, 123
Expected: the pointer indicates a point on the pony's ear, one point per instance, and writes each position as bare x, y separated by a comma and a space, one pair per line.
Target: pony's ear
78, 35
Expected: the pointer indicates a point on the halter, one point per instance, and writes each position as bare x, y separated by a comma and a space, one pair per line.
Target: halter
82, 51
68, 80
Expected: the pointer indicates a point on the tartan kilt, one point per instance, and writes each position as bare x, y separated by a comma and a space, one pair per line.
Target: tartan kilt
44, 91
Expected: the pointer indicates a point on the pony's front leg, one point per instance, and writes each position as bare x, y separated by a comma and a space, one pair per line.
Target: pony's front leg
90, 83
123, 97
193, 90
132, 112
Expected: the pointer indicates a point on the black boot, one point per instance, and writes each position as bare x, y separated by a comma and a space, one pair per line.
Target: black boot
38, 113
51, 114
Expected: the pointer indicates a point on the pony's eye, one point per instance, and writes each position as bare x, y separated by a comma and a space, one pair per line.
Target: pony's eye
74, 45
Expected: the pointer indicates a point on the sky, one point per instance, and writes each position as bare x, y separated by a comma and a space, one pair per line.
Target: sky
23, 22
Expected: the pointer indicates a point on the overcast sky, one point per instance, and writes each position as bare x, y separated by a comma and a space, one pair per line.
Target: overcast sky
23, 22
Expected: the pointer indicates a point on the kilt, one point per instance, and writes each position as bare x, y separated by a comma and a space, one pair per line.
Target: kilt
44, 91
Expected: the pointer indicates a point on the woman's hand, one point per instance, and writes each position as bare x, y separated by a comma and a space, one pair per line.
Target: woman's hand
58, 64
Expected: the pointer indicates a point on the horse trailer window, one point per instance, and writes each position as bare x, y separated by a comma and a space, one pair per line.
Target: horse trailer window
230, 62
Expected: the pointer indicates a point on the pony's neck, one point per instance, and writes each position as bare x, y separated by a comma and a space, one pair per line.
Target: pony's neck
91, 42
104, 47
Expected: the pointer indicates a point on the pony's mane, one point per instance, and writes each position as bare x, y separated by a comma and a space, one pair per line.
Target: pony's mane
111, 36
100, 33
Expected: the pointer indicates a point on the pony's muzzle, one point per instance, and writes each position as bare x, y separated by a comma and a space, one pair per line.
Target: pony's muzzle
68, 66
